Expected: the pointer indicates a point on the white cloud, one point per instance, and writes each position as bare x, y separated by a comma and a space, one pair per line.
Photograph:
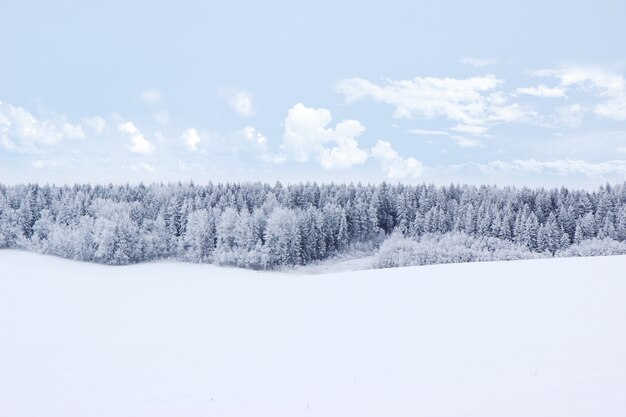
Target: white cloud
460, 141
277, 158
241, 102
542, 91
128, 128
422, 132
251, 135
142, 167
139, 144
607, 85
72, 131
560, 167
96, 123
191, 139
479, 62
152, 96
395, 167
471, 101
185, 167
305, 131
570, 116
47, 163
346, 151
609, 82
257, 142
7, 143
146, 167
306, 136
464, 142
20, 130
470, 129
613, 109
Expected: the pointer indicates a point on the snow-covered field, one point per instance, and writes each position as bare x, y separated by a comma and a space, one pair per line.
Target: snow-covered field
528, 338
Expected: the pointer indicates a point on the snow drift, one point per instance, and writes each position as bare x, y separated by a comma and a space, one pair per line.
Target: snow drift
522, 338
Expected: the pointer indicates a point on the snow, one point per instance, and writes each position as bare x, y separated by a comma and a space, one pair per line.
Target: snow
525, 338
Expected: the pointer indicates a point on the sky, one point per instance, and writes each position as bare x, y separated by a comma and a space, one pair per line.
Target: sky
483, 92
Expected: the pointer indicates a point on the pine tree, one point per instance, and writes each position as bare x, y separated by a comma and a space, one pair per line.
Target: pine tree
199, 236
342, 233
579, 236
530, 234
282, 240
127, 224
543, 244
564, 242
418, 228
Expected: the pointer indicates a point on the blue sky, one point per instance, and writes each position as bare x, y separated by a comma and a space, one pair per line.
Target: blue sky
525, 93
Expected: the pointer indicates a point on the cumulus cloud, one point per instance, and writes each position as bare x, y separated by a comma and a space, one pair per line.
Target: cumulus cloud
139, 144
471, 101
542, 91
191, 139
346, 151
395, 167
22, 131
251, 135
241, 102
305, 131
307, 135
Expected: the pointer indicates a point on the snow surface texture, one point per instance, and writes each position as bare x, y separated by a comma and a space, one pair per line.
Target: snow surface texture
523, 338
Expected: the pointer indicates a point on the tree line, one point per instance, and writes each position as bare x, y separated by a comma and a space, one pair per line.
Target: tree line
263, 226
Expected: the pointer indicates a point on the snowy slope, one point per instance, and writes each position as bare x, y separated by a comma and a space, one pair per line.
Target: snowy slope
529, 338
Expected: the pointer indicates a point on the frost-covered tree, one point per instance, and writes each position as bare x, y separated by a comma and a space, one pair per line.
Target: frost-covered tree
282, 238
199, 237
259, 225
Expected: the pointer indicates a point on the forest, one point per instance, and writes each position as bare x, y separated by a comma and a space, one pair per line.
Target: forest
263, 226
